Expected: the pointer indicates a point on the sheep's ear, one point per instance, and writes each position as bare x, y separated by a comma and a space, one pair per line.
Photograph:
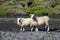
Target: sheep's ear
34, 15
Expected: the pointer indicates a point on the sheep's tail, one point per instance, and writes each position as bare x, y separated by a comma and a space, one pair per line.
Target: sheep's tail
47, 17
19, 21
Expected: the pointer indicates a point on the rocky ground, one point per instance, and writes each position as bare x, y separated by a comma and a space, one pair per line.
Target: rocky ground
29, 35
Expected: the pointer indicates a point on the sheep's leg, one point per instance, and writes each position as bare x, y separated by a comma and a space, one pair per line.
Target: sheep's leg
36, 29
47, 25
32, 29
48, 29
21, 29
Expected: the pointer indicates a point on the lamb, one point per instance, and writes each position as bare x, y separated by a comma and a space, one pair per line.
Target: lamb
25, 22
41, 20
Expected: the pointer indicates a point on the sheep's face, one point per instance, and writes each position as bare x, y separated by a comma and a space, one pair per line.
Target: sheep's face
20, 21
32, 15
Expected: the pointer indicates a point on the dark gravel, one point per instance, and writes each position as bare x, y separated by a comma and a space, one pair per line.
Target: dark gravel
9, 24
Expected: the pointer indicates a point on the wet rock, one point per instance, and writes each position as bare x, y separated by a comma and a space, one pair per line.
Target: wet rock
56, 12
42, 0
51, 4
15, 12
19, 6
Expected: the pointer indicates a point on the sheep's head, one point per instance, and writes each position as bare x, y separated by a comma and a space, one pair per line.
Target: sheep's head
32, 15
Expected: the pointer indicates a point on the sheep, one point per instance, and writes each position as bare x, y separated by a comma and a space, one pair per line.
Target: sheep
26, 21
41, 20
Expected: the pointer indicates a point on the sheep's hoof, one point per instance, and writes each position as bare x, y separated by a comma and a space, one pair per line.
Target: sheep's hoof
31, 29
36, 29
20, 29
23, 29
48, 32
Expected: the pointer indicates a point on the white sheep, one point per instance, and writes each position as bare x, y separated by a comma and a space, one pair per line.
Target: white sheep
25, 22
41, 20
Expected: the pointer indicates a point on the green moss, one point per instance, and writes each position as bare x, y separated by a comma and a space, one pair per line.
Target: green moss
3, 9
37, 7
